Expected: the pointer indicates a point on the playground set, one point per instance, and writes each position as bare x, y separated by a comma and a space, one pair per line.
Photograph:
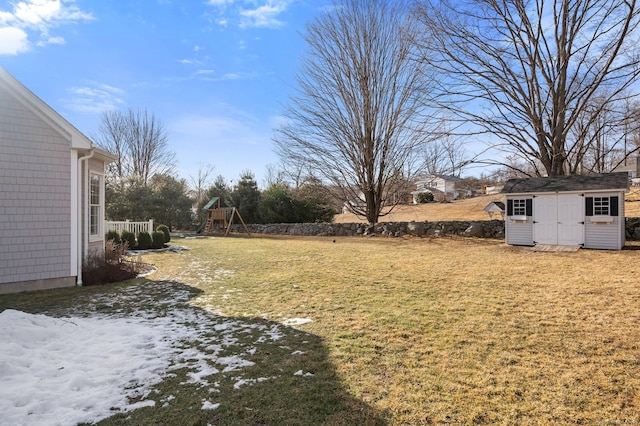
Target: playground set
220, 217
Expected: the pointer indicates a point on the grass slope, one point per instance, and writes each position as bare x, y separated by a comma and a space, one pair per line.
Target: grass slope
468, 209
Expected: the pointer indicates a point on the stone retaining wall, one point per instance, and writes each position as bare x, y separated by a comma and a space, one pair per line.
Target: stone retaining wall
478, 229
483, 229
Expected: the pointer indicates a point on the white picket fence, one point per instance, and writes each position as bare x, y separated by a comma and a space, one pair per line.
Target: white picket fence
134, 227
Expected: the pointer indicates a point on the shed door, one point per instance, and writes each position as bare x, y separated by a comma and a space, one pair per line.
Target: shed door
545, 219
570, 220
558, 220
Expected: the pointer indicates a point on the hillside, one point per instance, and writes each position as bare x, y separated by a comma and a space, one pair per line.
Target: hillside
469, 209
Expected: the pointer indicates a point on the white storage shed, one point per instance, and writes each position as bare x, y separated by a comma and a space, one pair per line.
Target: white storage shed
585, 211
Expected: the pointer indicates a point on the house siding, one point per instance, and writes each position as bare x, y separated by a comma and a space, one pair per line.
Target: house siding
35, 196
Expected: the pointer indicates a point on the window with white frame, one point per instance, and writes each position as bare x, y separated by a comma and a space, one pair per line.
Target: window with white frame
519, 207
601, 206
95, 198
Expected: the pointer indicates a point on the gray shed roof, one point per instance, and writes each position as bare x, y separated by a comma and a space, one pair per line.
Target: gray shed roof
597, 182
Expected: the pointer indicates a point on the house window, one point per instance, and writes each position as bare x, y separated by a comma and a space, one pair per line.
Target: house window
94, 205
601, 206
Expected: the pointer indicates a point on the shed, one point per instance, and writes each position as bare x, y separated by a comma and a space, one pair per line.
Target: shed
584, 211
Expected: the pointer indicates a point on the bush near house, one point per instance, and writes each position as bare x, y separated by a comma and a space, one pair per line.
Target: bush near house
157, 239
110, 267
113, 236
144, 240
130, 238
165, 230
425, 197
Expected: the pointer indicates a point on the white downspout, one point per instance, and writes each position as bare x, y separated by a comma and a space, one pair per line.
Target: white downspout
82, 217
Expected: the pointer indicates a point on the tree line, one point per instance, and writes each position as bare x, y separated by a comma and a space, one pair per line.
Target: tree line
141, 184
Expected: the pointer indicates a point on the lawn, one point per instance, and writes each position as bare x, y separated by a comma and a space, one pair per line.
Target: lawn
391, 331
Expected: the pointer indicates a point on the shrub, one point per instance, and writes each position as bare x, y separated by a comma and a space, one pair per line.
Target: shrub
165, 230
110, 266
130, 239
425, 197
113, 235
157, 239
144, 240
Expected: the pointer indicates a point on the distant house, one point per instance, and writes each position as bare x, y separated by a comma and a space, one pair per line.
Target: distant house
442, 187
633, 169
51, 193
585, 211
493, 189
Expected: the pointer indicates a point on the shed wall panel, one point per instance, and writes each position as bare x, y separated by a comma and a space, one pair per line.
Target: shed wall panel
519, 233
35, 193
603, 235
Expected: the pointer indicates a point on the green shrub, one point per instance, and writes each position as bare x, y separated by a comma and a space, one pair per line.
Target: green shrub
425, 197
165, 230
130, 238
113, 235
144, 240
157, 239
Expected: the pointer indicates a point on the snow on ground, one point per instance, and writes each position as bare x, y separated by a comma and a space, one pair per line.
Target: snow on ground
62, 371
296, 321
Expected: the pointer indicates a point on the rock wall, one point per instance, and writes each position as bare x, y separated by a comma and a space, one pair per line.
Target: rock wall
478, 229
481, 229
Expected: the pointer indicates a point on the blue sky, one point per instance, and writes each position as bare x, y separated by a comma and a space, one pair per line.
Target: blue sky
216, 72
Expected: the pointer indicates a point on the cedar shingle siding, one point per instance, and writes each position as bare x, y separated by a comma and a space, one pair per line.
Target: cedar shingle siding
35, 196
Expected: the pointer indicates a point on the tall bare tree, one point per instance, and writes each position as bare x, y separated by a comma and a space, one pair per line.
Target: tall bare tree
528, 71
140, 142
356, 121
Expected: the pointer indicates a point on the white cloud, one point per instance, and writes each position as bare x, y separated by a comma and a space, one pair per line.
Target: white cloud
220, 2
250, 13
265, 15
52, 40
13, 41
36, 16
94, 99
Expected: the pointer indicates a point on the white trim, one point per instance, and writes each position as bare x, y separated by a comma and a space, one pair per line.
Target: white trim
75, 240
601, 219
83, 234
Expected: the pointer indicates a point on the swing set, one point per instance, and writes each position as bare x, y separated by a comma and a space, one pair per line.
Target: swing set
220, 217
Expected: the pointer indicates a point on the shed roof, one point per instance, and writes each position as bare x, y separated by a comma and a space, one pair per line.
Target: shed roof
596, 182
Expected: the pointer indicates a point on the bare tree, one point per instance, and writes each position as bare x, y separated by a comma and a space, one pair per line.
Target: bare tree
139, 140
528, 71
199, 185
357, 122
445, 156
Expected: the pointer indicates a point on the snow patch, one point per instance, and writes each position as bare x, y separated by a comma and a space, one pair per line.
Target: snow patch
296, 321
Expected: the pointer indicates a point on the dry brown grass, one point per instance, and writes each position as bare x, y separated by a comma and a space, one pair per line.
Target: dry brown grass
431, 331
469, 209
